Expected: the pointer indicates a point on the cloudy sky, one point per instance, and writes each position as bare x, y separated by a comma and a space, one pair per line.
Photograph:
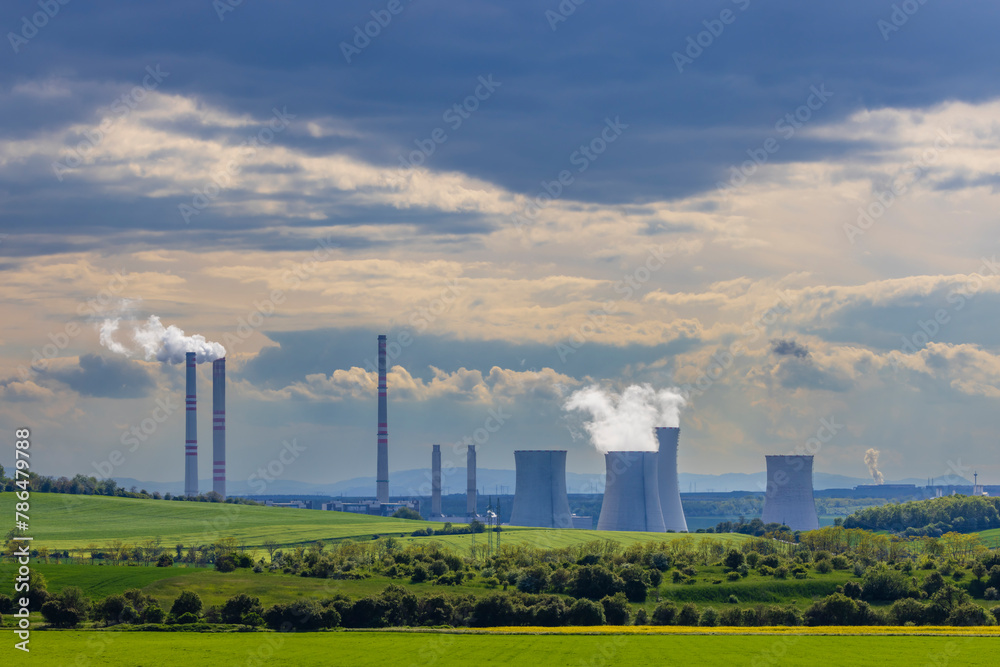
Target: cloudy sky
786, 210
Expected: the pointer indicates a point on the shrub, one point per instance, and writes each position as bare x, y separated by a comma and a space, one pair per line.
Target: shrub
225, 564
641, 617
595, 582
733, 576
665, 613
239, 606
165, 561
852, 589
187, 602
733, 559
840, 562
733, 599
824, 566
688, 615
906, 611
781, 572
991, 594
6, 605
110, 609
881, 582
586, 612
297, 616
186, 618
616, 611
419, 574
153, 614
59, 615
970, 614
709, 618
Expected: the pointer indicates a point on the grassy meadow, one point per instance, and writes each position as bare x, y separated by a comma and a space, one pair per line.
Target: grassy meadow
396, 648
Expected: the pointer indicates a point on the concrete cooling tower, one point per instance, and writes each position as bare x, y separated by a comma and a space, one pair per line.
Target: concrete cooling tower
788, 498
540, 498
670, 495
631, 493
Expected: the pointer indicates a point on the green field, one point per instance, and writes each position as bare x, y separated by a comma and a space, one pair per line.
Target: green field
388, 648
74, 523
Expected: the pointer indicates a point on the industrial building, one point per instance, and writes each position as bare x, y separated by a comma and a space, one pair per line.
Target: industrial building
371, 507
670, 494
788, 498
540, 497
631, 493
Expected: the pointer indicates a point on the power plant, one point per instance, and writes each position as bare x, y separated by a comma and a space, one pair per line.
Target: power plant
382, 466
470, 493
191, 431
436, 480
788, 498
219, 426
540, 497
631, 493
670, 494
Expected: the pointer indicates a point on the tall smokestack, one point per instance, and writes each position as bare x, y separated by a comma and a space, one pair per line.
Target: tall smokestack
540, 498
631, 493
470, 493
788, 497
191, 437
382, 472
436, 481
670, 494
219, 426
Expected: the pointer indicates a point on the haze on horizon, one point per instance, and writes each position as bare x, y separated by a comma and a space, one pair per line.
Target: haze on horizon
793, 223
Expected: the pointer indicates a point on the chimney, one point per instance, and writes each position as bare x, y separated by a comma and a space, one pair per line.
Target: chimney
191, 441
470, 493
670, 494
219, 426
540, 498
382, 471
436, 481
631, 493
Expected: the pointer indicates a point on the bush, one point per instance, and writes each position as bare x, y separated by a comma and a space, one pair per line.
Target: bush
882, 582
153, 614
709, 618
586, 612
616, 611
665, 613
906, 611
595, 582
186, 618
59, 615
434, 610
187, 602
6, 605
111, 609
688, 615
225, 564
641, 617
733, 559
824, 566
165, 561
297, 616
733, 599
840, 562
970, 614
239, 606
419, 574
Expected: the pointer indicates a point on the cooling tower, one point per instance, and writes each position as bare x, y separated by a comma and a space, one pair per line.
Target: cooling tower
631, 493
436, 480
219, 426
540, 493
191, 431
788, 498
382, 471
670, 495
470, 493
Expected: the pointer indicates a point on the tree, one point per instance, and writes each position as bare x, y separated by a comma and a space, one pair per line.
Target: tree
111, 610
406, 513
271, 547
586, 612
665, 613
239, 606
688, 615
165, 561
186, 602
67, 609
616, 611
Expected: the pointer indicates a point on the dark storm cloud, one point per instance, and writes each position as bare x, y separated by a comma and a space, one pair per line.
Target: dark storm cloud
783, 347
799, 373
105, 377
557, 86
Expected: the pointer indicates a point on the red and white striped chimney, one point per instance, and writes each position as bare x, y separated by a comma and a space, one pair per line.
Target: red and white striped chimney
191, 436
219, 426
382, 465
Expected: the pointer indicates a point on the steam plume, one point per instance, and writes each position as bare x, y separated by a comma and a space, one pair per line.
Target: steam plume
165, 344
871, 460
626, 421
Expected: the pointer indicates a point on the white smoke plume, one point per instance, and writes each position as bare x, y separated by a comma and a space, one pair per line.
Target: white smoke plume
625, 422
165, 344
871, 460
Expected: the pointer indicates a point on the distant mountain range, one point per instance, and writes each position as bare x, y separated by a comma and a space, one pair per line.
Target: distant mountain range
490, 481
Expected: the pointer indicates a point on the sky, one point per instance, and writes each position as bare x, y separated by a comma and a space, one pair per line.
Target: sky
785, 211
